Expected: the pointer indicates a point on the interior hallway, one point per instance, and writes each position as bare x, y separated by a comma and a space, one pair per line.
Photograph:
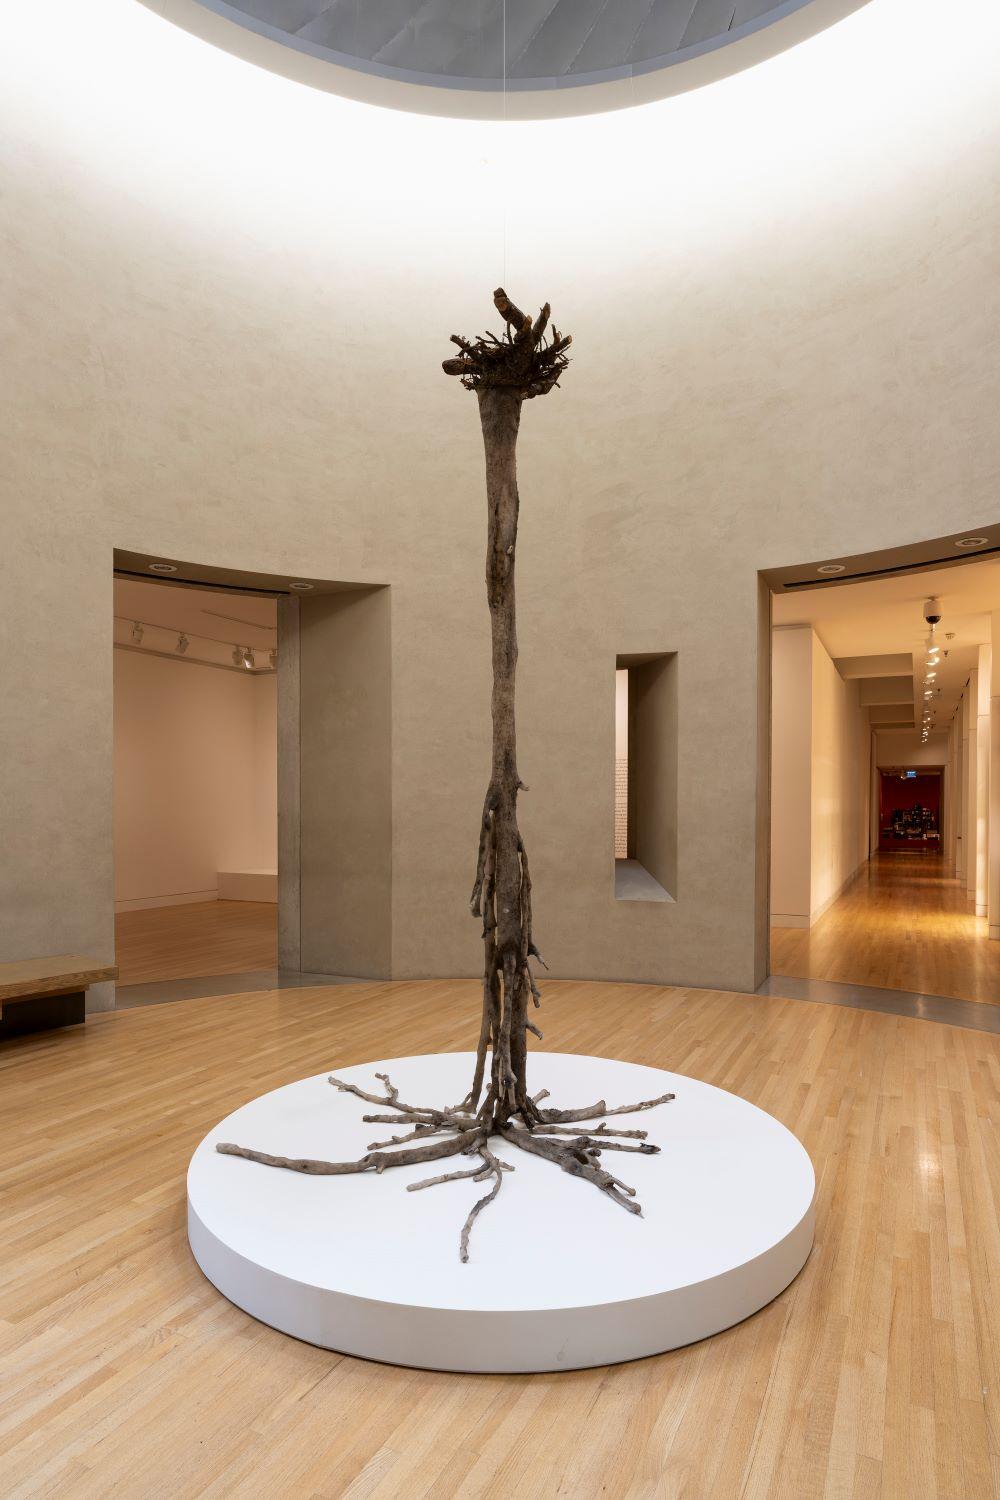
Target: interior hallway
903, 923
187, 942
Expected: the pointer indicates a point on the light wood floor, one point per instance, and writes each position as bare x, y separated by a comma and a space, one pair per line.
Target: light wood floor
904, 923
124, 1373
188, 942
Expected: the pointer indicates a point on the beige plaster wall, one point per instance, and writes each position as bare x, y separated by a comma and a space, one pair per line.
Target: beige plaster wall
346, 795
224, 303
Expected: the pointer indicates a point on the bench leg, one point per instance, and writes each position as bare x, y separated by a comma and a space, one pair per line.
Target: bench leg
17, 1018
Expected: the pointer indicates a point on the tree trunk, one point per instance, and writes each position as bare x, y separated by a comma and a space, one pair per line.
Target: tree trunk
500, 891
504, 373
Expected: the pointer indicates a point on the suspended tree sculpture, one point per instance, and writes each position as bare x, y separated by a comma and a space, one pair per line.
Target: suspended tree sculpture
504, 373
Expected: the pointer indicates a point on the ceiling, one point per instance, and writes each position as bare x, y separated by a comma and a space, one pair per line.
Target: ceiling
214, 623
538, 47
885, 618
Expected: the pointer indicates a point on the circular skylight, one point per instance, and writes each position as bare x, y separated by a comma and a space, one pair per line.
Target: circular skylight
523, 58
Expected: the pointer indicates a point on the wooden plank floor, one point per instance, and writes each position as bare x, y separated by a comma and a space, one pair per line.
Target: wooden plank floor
904, 923
124, 1373
193, 941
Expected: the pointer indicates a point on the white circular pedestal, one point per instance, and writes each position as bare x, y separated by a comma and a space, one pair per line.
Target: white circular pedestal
559, 1276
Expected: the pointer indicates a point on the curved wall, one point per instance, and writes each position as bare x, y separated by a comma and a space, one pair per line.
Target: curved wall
226, 301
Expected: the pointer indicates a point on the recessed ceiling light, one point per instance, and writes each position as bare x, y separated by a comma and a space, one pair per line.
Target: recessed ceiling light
162, 568
973, 541
301, 588
832, 568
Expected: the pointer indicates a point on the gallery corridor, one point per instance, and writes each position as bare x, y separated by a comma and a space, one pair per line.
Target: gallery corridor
904, 923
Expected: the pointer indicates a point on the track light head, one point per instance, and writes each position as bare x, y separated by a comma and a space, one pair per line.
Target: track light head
137, 632
182, 643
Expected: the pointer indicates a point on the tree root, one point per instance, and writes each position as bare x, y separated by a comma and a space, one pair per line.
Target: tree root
463, 1134
372, 1162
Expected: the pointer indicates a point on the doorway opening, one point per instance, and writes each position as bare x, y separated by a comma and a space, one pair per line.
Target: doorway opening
645, 828
293, 875
196, 788
885, 744
910, 809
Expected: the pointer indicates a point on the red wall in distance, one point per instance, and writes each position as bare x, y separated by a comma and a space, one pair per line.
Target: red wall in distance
896, 792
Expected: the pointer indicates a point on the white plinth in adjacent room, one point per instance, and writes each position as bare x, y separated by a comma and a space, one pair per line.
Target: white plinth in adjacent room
560, 1277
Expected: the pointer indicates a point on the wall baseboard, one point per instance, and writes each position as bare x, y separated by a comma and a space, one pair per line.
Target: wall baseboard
184, 898
824, 906
787, 919
248, 885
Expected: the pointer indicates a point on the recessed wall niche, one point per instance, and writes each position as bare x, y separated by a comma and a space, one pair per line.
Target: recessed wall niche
645, 832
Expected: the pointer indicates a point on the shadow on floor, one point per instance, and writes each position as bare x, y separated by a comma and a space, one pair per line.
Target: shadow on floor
974, 1015
129, 996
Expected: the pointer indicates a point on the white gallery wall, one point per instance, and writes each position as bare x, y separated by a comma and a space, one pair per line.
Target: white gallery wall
195, 778
225, 302
902, 749
819, 779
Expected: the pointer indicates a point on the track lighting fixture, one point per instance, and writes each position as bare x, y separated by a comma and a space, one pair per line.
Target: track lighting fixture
243, 657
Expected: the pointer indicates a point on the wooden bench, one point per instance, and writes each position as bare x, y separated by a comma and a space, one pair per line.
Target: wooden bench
38, 993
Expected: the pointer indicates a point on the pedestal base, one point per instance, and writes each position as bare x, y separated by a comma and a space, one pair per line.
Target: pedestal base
559, 1278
